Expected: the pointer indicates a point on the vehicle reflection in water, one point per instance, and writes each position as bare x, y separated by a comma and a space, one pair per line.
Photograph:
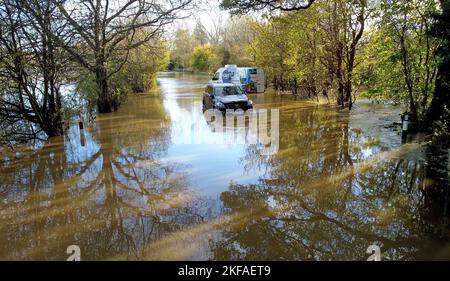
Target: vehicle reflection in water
132, 187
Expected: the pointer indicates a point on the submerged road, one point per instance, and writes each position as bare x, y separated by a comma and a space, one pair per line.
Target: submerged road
134, 185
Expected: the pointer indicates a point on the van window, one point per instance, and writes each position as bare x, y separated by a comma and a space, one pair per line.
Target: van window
216, 76
253, 71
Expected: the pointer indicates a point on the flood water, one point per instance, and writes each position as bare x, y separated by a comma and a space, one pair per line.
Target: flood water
129, 186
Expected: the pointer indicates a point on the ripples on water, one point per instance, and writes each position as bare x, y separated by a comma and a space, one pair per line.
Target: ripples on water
128, 188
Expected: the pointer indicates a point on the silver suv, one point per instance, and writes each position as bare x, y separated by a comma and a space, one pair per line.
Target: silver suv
223, 96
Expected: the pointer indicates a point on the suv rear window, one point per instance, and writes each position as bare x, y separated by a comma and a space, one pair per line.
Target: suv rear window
228, 91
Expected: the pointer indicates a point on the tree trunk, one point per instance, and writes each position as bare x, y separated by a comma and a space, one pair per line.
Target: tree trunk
339, 58
348, 84
408, 81
440, 104
295, 86
105, 102
351, 58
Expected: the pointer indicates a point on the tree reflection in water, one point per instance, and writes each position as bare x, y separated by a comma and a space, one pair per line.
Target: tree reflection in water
112, 197
331, 191
324, 197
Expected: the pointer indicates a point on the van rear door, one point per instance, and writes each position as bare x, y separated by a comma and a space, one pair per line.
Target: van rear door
260, 81
257, 80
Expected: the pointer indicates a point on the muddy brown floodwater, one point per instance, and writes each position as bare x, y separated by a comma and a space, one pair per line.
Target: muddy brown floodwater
130, 187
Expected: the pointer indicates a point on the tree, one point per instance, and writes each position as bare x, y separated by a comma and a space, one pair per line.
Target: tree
227, 39
143, 65
200, 34
182, 47
243, 6
204, 58
217, 24
400, 62
439, 112
272, 50
344, 27
315, 49
106, 31
32, 69
237, 36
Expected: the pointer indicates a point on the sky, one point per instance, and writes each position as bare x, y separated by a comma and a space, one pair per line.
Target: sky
208, 12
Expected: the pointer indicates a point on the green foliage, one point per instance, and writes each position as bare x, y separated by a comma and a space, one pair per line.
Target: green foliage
399, 58
394, 59
87, 86
381, 70
292, 47
204, 59
138, 74
143, 64
226, 45
380, 49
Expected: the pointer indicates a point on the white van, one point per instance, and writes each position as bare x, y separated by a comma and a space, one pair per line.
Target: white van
250, 79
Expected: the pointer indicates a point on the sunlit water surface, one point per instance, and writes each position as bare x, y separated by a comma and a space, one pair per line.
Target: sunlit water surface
130, 186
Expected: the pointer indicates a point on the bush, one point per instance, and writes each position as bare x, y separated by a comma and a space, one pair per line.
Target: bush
204, 59
143, 65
